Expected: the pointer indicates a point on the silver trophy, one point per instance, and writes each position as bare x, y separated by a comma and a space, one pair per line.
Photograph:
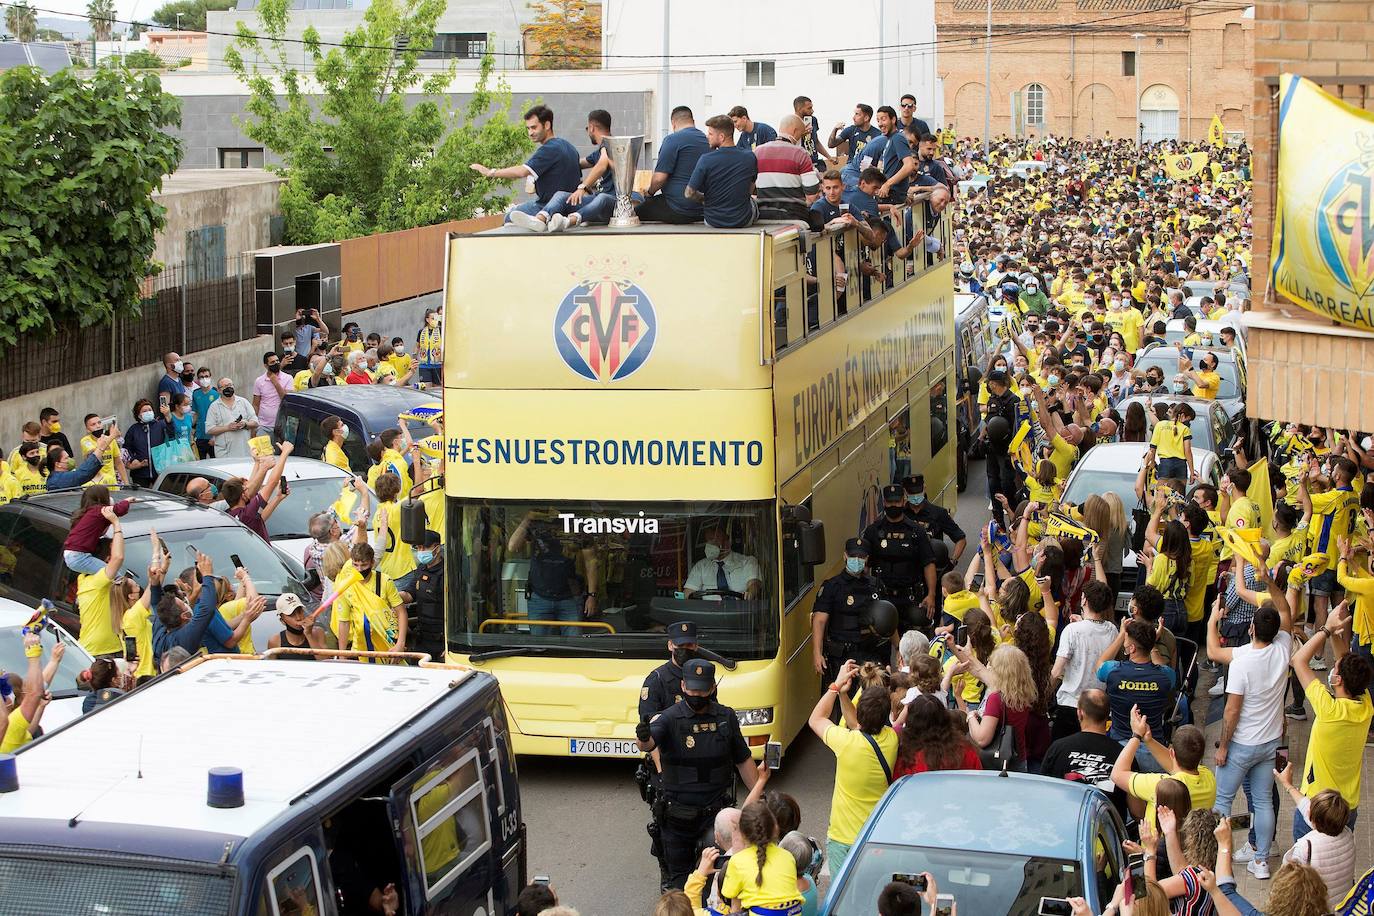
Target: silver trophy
624, 153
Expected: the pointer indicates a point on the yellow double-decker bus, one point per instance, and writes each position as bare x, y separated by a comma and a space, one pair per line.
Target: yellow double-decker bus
673, 423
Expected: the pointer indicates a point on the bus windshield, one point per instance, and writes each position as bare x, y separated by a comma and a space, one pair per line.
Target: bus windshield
608, 577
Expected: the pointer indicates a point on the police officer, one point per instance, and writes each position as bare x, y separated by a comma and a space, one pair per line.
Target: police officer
901, 559
427, 594
937, 521
663, 689
842, 617
1000, 427
700, 746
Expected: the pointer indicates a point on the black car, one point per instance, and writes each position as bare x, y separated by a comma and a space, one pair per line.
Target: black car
366, 409
32, 530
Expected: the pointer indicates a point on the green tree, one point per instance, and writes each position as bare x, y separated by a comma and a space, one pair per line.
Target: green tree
192, 13
359, 153
567, 35
50, 35
21, 21
142, 59
79, 160
101, 14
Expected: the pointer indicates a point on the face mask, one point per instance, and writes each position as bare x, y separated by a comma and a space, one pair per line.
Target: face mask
297, 631
424, 557
1330, 683
916, 498
203, 382
186, 377
854, 565
712, 552
228, 392
894, 513
1053, 380
214, 492
34, 458
683, 656
1118, 365
400, 351
328, 369
55, 426
697, 704
343, 430
178, 366
274, 368
1179, 387
146, 416
288, 348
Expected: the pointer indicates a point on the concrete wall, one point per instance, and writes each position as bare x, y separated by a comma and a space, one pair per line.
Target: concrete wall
243, 201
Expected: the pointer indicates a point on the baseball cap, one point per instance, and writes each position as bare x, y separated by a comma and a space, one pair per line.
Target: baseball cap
682, 634
699, 674
289, 604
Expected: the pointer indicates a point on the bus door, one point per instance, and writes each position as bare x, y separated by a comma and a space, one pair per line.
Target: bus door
455, 825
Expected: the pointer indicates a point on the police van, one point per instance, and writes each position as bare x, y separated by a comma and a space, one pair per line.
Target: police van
264, 786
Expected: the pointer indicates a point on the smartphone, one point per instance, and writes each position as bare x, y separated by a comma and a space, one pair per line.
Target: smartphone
1135, 878
130, 648
918, 882
944, 905
1281, 757
1240, 821
234, 558
1055, 906
162, 399
107, 423
772, 755
284, 487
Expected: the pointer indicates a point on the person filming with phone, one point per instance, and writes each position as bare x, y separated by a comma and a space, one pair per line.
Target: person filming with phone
245, 497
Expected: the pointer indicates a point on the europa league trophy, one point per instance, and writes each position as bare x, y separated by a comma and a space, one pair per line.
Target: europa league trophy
624, 153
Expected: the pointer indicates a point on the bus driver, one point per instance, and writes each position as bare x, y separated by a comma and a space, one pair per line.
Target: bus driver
723, 572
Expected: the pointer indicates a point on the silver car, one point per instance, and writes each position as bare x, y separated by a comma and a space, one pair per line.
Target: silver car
1231, 395
67, 695
1212, 429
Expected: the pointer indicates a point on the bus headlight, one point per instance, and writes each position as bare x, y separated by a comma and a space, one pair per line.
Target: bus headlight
760, 715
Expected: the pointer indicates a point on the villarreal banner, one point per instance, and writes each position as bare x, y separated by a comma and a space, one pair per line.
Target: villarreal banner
1184, 165
1323, 250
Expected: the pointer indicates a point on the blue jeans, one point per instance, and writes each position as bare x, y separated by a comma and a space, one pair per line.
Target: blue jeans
1176, 468
1246, 908
1301, 828
1252, 764
82, 562
542, 608
595, 208
1176, 617
530, 206
1144, 761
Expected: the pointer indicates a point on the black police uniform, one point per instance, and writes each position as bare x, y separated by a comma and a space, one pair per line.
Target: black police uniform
427, 616
1002, 476
938, 523
662, 689
699, 752
845, 597
899, 553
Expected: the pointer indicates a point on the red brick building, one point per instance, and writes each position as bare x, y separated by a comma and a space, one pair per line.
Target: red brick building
1072, 67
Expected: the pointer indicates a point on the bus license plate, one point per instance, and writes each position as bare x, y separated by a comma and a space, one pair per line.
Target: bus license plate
1123, 605
603, 747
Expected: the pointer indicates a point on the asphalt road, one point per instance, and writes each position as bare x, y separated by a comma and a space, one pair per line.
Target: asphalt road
587, 824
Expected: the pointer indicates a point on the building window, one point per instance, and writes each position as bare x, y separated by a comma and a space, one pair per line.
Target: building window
1159, 42
1035, 105
1128, 63
240, 158
836, 67
758, 73
457, 45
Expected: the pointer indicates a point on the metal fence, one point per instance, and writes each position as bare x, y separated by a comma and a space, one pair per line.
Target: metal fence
186, 308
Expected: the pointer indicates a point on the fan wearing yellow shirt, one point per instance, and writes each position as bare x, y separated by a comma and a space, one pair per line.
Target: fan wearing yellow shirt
31, 476
9, 486
337, 431
99, 622
390, 459
1239, 510
137, 618
1171, 444
234, 603
1181, 762
369, 615
957, 601
1064, 437
112, 471
400, 361
30, 694
1333, 515
396, 559
1206, 380
761, 874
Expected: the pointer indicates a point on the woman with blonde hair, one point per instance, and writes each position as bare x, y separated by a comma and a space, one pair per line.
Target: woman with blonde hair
1192, 847
674, 903
1296, 889
1012, 696
1106, 517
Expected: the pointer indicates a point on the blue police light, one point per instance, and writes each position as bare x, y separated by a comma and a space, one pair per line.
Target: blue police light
226, 788
9, 773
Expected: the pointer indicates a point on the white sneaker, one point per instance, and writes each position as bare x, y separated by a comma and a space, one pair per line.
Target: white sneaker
558, 222
528, 222
1218, 688
1244, 853
1259, 868
1317, 663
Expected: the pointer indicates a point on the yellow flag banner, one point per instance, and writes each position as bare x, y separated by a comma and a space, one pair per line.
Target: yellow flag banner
1216, 134
1261, 493
1184, 165
1239, 545
1323, 250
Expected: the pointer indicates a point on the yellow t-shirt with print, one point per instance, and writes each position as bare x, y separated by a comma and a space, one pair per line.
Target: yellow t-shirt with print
1203, 569
1208, 384
369, 609
1335, 750
9, 487
1169, 438
1039, 493
1242, 514
138, 623
778, 884
231, 609
1201, 786
106, 475
31, 482
400, 364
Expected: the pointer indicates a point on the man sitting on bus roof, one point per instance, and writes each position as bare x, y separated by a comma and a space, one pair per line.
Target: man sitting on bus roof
723, 572
553, 166
787, 182
723, 181
677, 158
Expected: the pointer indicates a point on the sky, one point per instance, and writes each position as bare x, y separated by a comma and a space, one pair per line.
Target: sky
124, 9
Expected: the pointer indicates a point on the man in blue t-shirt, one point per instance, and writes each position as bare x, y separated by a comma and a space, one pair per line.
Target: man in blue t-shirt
810, 140
677, 158
1137, 681
553, 166
857, 136
723, 180
898, 163
910, 122
751, 134
593, 201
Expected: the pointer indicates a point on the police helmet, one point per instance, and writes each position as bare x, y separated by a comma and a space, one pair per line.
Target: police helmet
974, 375
882, 617
999, 431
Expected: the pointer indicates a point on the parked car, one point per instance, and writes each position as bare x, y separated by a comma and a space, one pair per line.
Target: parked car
1212, 429
1231, 395
976, 182
1111, 467
32, 530
366, 409
997, 843
1023, 168
67, 692
314, 487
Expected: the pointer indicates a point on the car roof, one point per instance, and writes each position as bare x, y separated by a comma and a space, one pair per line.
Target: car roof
970, 809
13, 613
366, 400
162, 734
151, 510
297, 468
1126, 457
1200, 405
1224, 354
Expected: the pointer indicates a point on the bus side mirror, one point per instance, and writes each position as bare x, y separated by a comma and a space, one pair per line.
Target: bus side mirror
811, 542
414, 522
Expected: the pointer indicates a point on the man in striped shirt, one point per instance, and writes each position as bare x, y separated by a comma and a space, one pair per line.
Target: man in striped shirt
787, 183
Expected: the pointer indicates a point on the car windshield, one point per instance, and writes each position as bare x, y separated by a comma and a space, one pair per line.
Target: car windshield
118, 887
292, 516
980, 882
270, 574
514, 563
1226, 368
1118, 480
74, 659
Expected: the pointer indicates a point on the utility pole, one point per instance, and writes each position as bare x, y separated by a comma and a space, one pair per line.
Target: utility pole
987, 85
178, 22
663, 78
1139, 127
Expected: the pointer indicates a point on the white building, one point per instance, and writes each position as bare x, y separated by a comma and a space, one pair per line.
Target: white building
763, 53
